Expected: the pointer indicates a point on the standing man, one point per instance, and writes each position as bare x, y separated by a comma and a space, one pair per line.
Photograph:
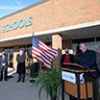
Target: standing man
21, 65
98, 65
87, 58
3, 66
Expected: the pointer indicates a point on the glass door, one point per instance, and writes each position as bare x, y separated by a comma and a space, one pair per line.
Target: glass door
29, 54
11, 57
9, 53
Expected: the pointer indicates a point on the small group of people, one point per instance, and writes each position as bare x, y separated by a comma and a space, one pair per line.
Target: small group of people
87, 58
20, 66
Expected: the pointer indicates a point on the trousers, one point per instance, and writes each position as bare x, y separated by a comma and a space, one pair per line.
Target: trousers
5, 75
21, 76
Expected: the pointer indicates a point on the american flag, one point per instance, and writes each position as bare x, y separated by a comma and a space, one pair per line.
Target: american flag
43, 53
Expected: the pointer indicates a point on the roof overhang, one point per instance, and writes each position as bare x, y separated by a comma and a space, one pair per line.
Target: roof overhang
54, 31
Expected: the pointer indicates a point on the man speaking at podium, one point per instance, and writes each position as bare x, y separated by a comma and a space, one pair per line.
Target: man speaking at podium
87, 58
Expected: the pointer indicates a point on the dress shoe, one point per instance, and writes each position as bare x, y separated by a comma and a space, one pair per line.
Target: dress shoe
23, 81
18, 81
5, 79
0, 80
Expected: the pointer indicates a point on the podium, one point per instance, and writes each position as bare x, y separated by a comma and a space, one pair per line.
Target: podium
71, 82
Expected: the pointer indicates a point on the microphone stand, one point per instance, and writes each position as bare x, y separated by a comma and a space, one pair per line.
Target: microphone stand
85, 68
86, 84
93, 77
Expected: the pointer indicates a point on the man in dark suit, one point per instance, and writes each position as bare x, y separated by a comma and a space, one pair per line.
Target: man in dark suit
3, 66
87, 58
67, 58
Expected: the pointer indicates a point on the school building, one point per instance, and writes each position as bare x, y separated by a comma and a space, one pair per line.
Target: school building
58, 23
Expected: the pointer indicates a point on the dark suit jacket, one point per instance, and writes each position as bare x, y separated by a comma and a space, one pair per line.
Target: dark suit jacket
63, 58
21, 64
3, 61
88, 59
98, 61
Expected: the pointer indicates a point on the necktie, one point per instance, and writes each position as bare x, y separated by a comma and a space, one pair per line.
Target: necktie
3, 57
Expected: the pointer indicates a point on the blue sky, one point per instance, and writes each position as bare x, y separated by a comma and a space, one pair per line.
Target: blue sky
10, 6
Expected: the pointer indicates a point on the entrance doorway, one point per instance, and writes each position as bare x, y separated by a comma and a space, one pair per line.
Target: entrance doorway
9, 52
27, 49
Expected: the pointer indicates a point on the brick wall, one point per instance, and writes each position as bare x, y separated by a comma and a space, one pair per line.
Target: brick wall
57, 43
54, 14
1, 50
66, 44
16, 51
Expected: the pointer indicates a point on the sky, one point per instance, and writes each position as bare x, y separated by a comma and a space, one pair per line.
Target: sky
10, 6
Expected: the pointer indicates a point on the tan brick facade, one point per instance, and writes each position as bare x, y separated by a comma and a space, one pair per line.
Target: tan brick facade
1, 49
16, 51
53, 14
57, 43
66, 44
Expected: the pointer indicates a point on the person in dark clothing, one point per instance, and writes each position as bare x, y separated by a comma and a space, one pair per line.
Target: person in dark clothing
21, 66
67, 58
97, 58
3, 66
98, 65
87, 58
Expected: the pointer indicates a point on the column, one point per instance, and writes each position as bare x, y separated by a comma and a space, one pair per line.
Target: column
57, 43
66, 43
16, 51
1, 49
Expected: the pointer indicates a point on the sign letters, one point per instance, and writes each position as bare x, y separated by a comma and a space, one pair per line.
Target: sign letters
17, 24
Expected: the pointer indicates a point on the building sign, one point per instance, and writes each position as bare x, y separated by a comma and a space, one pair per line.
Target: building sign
69, 76
17, 24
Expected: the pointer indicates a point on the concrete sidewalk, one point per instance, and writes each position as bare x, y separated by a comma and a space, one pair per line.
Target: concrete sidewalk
11, 90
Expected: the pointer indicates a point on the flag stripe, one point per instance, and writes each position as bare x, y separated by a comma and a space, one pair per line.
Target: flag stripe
39, 51
43, 53
49, 52
49, 48
35, 52
39, 59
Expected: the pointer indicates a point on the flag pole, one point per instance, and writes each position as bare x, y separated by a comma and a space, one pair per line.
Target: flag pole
32, 71
32, 68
